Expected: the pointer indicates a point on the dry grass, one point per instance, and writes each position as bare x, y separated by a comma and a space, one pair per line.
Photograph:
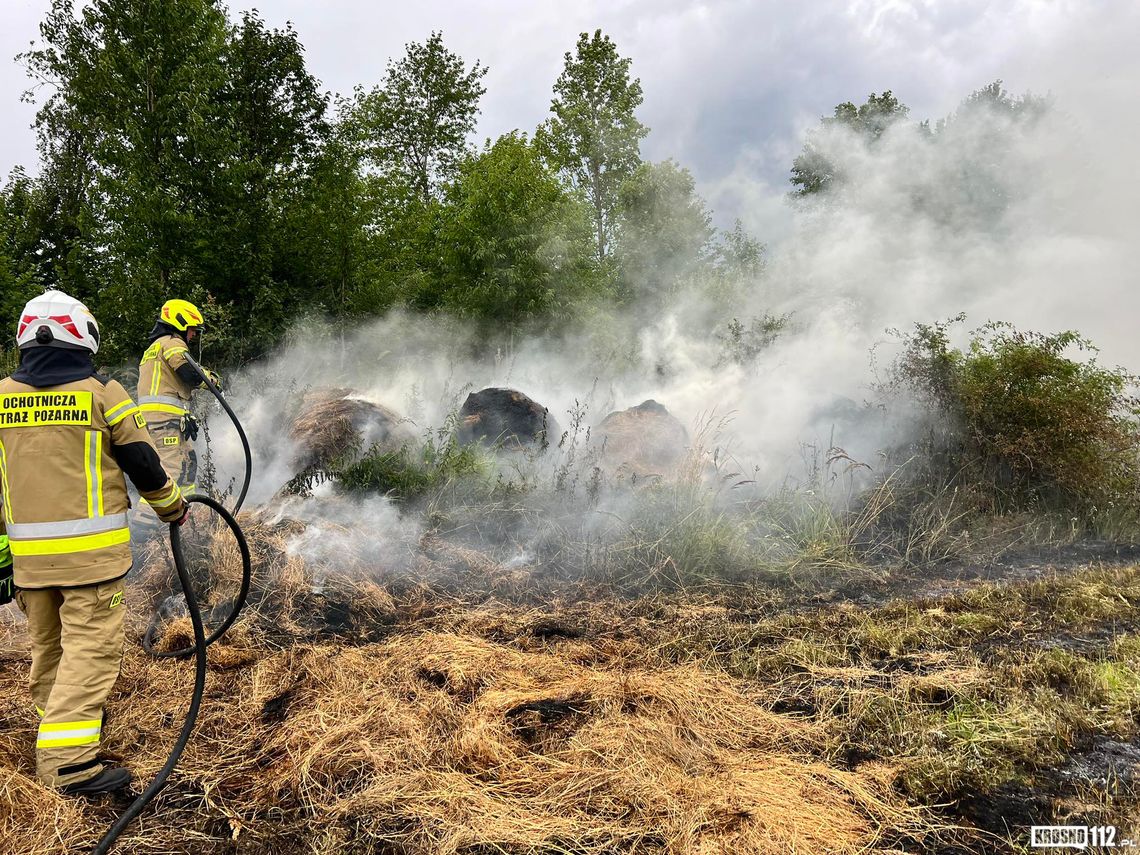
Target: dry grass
453, 704
438, 742
462, 729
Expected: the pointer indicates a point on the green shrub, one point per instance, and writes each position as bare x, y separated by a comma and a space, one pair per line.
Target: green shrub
1031, 418
742, 344
411, 473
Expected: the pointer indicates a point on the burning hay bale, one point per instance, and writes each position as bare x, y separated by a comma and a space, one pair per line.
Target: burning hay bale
334, 423
506, 417
643, 441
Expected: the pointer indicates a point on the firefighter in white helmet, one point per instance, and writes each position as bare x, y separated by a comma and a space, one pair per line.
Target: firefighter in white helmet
167, 380
67, 436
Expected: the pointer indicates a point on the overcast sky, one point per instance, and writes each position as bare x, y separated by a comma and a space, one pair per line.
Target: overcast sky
730, 85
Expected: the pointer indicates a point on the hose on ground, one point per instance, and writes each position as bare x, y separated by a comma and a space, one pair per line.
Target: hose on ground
201, 640
201, 643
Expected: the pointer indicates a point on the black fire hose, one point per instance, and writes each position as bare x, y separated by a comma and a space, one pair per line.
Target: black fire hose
152, 629
199, 651
201, 641
237, 425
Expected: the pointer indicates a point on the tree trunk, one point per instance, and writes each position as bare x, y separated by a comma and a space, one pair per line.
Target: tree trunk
599, 208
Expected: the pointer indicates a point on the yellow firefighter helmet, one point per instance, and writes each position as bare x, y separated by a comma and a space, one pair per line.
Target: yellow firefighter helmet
181, 315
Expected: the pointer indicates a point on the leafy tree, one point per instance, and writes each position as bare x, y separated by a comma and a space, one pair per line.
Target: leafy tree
417, 122
134, 100
815, 170
175, 147
738, 265
994, 99
276, 113
981, 165
71, 256
739, 255
20, 249
970, 174
513, 243
594, 136
275, 102
333, 250
666, 231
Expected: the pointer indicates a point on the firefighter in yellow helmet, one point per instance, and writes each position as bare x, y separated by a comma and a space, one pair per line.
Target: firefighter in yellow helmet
67, 436
167, 380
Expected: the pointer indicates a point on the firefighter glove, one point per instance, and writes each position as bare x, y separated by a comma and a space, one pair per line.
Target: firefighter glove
7, 587
189, 427
215, 378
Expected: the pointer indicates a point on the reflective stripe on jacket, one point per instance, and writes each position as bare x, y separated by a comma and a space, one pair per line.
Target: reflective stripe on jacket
63, 492
160, 389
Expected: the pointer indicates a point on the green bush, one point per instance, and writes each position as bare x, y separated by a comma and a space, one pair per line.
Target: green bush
411, 473
1030, 418
742, 344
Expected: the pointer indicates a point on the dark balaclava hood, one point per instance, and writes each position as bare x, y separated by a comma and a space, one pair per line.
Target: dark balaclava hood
53, 366
161, 329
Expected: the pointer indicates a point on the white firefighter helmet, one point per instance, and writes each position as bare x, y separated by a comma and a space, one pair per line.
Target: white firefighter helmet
55, 319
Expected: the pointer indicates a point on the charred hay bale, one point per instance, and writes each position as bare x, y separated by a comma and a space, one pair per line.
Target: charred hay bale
333, 423
506, 417
643, 441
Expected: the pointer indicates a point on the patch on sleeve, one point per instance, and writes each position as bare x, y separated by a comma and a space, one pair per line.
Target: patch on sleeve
140, 421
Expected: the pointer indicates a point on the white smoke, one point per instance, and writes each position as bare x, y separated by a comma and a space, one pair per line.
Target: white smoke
339, 532
1027, 222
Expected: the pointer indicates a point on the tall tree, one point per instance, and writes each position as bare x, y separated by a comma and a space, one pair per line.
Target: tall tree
331, 227
815, 168
275, 110
994, 98
666, 231
71, 252
594, 136
174, 144
134, 91
21, 250
982, 162
513, 243
417, 122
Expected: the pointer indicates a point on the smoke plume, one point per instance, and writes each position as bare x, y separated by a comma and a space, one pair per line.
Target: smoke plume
1026, 217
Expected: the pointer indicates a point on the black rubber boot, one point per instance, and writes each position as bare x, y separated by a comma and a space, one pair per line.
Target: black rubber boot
112, 778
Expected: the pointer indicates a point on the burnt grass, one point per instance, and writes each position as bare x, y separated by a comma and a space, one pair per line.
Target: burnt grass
1007, 694
1004, 694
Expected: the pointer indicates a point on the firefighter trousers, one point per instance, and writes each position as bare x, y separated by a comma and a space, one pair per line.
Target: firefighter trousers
77, 647
176, 452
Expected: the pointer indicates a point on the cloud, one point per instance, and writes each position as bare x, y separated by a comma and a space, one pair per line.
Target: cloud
727, 82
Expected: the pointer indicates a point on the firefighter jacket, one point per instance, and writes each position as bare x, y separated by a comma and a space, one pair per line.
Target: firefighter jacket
64, 448
166, 378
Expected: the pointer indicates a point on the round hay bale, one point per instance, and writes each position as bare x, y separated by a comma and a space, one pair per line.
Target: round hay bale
333, 423
506, 417
643, 441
